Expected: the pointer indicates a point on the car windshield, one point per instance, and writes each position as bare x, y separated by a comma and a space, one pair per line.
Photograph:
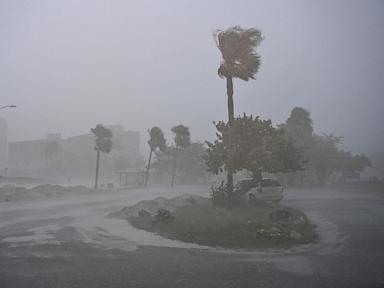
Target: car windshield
270, 183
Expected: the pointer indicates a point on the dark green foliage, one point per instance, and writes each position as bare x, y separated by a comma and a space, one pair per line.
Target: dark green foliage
349, 165
323, 155
164, 215
182, 136
219, 194
156, 139
321, 152
299, 128
258, 146
325, 159
237, 47
299, 124
103, 141
242, 227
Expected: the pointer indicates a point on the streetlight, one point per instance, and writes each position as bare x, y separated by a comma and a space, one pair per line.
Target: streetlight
8, 106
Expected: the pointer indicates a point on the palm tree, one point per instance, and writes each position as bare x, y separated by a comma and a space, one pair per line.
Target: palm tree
103, 143
182, 140
156, 140
240, 60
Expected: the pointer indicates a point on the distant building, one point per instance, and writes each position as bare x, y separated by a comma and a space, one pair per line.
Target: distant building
27, 154
75, 156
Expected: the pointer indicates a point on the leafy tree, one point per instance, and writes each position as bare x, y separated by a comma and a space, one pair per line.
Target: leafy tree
323, 155
182, 140
103, 143
156, 140
239, 60
349, 165
321, 152
299, 129
299, 126
258, 146
325, 158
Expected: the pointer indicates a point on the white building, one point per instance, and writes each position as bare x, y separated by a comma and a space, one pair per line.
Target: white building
73, 157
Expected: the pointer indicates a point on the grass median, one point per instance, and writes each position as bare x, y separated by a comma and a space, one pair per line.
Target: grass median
257, 226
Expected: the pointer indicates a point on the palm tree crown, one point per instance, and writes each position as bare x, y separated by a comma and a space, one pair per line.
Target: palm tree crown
103, 140
237, 46
182, 136
156, 139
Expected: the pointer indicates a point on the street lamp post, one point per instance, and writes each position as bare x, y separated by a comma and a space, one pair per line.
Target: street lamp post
8, 106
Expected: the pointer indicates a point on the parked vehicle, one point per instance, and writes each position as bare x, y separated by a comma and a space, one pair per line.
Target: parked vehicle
265, 190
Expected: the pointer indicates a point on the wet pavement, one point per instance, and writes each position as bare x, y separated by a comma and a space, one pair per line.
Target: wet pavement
78, 242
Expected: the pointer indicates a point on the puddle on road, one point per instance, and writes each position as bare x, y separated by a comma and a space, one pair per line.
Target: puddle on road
37, 235
101, 232
91, 224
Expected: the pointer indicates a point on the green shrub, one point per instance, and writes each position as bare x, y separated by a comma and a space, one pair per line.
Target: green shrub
242, 227
164, 215
219, 194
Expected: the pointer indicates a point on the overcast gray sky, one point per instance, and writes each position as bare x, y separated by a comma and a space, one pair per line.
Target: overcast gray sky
69, 65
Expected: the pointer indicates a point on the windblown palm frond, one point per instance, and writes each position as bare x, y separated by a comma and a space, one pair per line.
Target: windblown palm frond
182, 136
103, 141
237, 46
157, 139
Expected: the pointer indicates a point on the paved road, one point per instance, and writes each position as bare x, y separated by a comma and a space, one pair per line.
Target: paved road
76, 242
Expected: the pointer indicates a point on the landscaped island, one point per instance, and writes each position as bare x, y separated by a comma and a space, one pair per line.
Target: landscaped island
194, 219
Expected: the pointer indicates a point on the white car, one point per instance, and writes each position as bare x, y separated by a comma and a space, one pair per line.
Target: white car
265, 190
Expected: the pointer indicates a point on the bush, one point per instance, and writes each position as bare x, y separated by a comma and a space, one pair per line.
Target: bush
219, 194
242, 227
164, 215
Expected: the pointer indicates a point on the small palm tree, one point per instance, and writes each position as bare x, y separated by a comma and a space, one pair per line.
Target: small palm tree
240, 60
182, 140
103, 143
156, 140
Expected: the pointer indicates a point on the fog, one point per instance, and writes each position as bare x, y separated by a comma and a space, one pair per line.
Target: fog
260, 204
69, 65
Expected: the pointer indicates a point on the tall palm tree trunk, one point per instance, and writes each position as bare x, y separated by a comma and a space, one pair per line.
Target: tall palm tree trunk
97, 168
174, 168
230, 100
230, 142
148, 167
